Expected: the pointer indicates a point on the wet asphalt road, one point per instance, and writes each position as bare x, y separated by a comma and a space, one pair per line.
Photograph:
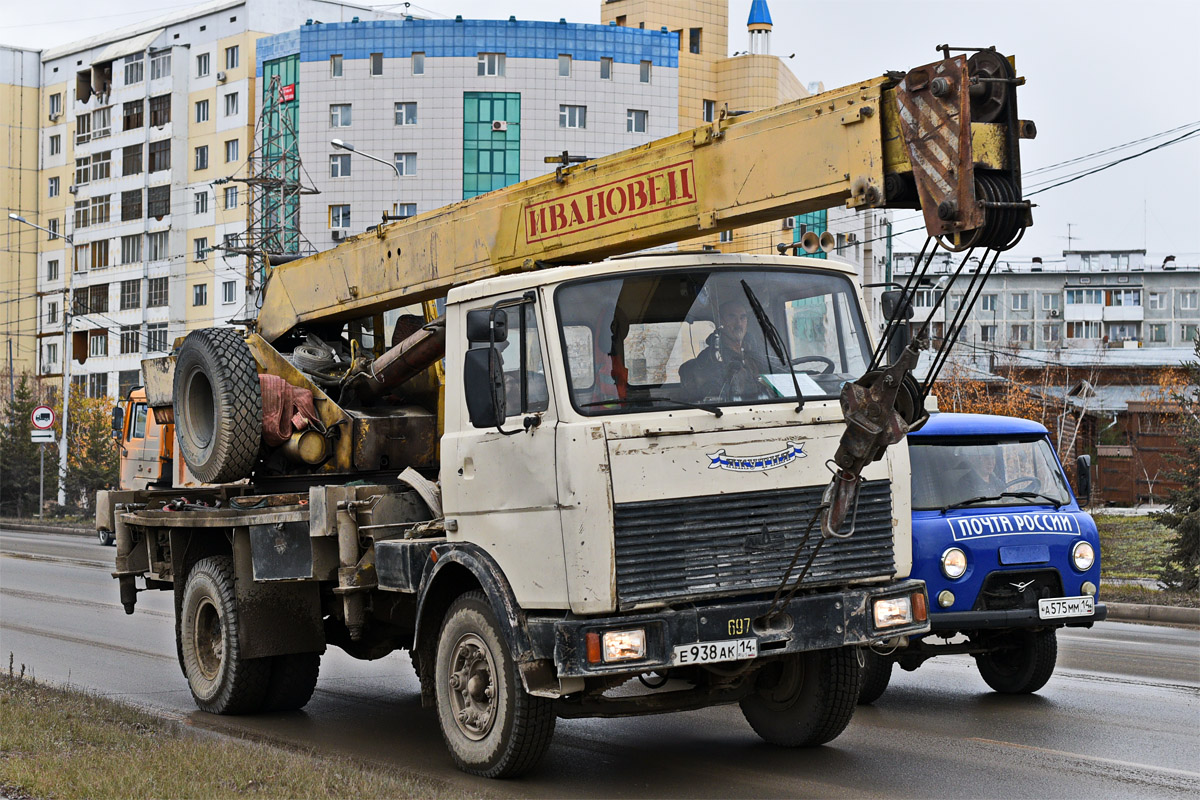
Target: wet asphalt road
1120, 718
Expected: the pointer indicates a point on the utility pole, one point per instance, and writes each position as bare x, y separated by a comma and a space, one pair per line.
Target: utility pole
66, 404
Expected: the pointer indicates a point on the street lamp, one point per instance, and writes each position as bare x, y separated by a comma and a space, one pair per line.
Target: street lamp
340, 145
66, 361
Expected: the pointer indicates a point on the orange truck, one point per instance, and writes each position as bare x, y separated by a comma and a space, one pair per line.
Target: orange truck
147, 453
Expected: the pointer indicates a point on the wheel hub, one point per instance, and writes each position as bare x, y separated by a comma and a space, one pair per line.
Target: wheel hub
208, 641
472, 687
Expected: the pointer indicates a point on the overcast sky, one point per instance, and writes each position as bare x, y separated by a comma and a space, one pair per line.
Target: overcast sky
1100, 73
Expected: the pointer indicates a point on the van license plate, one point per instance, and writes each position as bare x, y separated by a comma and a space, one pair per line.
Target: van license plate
712, 652
1056, 607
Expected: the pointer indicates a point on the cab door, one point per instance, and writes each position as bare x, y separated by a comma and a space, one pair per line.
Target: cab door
139, 452
500, 488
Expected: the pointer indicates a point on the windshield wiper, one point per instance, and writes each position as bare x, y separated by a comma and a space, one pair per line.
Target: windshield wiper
773, 338
986, 497
617, 401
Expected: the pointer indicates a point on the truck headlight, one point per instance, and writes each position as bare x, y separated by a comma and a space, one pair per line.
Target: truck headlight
892, 611
624, 645
1083, 556
954, 563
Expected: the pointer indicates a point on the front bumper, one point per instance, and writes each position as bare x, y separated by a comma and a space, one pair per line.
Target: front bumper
811, 622
1013, 618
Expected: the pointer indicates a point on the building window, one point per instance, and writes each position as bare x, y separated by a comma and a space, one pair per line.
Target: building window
231, 151
406, 113
1020, 333
231, 197
710, 110
335, 66
100, 261
202, 111
98, 297
79, 301
52, 228
231, 57
1020, 301
160, 110
644, 72
126, 380
101, 122
202, 157
52, 187
231, 104
101, 209
694, 40
405, 209
564, 66
52, 312
635, 121
156, 337
1077, 297
987, 302
1187, 301
726, 237
201, 199
160, 66
158, 201
200, 248
83, 128
1083, 330
52, 270
83, 170
51, 357
56, 104
133, 115
987, 333
339, 115
156, 250
1157, 332
572, 116
131, 205
131, 251
339, 217
130, 338
135, 68
1051, 333
1187, 333
491, 64
406, 164
97, 382
606, 68
199, 294
1049, 302
131, 160
228, 291
102, 165
339, 165
376, 63
55, 144
81, 216
156, 292
418, 63
202, 65
1156, 300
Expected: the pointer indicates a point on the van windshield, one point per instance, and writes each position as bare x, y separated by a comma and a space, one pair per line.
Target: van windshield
971, 473
670, 338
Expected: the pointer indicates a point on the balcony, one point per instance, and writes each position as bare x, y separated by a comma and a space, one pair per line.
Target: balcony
1124, 313
1083, 312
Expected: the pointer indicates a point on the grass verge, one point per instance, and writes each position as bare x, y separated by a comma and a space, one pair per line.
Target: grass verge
64, 744
1133, 549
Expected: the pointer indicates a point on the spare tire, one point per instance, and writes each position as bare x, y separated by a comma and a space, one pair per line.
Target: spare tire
218, 405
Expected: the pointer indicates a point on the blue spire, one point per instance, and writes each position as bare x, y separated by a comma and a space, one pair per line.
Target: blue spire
759, 13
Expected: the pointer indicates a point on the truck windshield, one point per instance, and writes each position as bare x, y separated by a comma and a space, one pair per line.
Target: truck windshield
971, 474
658, 340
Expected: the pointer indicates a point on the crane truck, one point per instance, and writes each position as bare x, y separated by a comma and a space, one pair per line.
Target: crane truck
562, 486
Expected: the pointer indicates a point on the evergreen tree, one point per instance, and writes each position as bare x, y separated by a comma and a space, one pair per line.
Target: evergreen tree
1181, 567
19, 465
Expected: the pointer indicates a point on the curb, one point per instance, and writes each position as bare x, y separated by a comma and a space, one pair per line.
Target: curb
1135, 612
68, 529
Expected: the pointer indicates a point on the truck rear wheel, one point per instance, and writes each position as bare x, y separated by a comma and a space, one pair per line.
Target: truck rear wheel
491, 725
1021, 662
218, 405
293, 681
221, 679
804, 700
876, 675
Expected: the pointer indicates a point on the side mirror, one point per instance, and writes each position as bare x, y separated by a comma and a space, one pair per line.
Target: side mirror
487, 325
891, 303
483, 383
118, 422
1083, 479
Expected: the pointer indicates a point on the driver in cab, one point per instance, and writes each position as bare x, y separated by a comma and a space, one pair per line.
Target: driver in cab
725, 370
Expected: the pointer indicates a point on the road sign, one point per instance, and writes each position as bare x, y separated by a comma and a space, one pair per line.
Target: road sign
42, 437
43, 418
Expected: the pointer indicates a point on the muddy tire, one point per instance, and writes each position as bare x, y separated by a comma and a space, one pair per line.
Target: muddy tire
218, 405
106, 537
1021, 663
806, 699
876, 674
221, 679
491, 725
293, 680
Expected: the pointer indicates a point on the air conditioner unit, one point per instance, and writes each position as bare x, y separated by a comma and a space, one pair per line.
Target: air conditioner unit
851, 238
338, 235
1054, 312
72, 188
55, 115
499, 125
220, 77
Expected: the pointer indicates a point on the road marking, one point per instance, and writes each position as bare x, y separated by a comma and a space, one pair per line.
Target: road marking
75, 562
63, 637
71, 601
1183, 773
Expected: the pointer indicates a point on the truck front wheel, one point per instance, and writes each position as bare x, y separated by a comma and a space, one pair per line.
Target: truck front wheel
491, 725
1020, 662
221, 679
804, 700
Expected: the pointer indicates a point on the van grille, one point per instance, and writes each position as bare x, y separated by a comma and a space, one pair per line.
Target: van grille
736, 544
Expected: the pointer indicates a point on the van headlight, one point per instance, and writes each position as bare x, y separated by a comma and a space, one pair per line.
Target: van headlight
954, 563
1083, 556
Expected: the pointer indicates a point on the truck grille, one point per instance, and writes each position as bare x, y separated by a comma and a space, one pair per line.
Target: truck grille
1005, 591
734, 544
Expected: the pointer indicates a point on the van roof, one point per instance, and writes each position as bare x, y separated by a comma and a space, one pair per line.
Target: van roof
950, 424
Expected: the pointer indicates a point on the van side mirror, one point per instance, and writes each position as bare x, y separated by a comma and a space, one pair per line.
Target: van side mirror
118, 422
1083, 479
483, 384
891, 302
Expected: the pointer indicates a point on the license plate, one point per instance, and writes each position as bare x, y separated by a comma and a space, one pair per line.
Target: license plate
1056, 607
712, 652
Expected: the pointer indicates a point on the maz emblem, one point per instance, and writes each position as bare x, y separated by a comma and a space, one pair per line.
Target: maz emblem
719, 460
